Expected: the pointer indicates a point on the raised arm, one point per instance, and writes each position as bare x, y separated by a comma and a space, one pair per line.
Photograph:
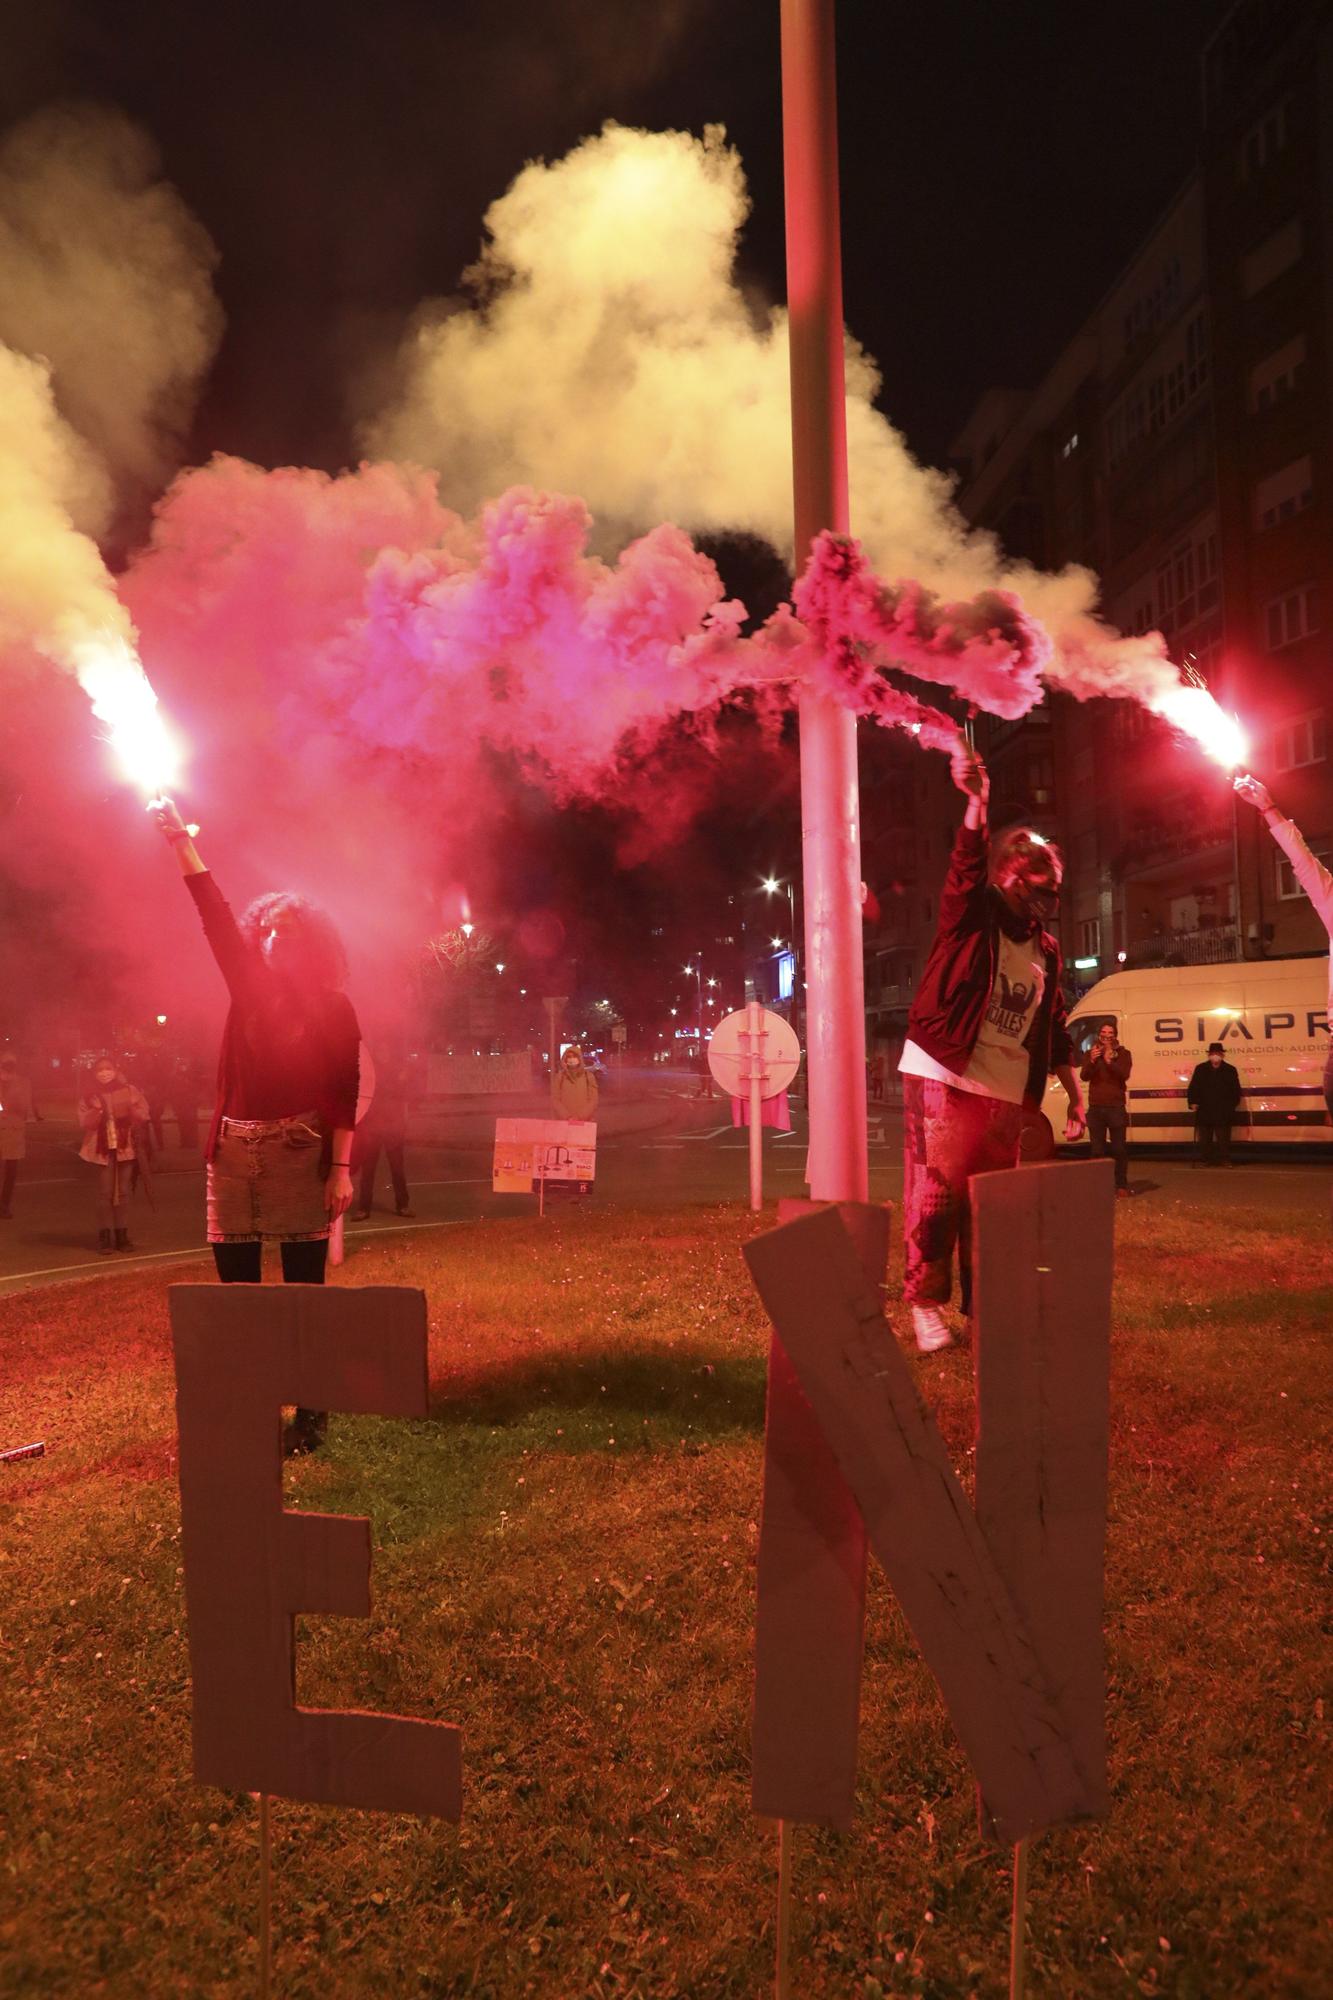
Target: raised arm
1309, 871
220, 927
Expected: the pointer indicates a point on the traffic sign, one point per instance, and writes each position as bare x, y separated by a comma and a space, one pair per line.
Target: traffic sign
769, 1044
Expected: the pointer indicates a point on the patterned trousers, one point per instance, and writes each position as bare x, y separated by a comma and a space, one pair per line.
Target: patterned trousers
948, 1136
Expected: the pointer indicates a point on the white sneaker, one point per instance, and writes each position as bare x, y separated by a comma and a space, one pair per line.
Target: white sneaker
931, 1329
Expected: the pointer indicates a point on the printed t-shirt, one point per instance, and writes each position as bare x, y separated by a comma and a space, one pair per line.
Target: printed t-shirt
998, 1066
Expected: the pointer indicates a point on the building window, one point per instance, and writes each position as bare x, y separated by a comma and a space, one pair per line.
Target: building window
1278, 375
1283, 494
1299, 742
1263, 141
1289, 618
1090, 938
1274, 256
1288, 888
1154, 305
1070, 445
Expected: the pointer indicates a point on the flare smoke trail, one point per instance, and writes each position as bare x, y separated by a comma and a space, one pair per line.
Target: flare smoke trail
107, 319
107, 277
604, 347
347, 653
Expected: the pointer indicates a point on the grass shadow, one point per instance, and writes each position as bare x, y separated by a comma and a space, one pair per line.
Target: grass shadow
716, 1394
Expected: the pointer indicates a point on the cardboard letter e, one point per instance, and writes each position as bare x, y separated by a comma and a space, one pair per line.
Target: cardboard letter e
250, 1567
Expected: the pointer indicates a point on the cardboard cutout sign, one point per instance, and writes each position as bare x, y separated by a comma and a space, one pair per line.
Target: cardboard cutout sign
241, 1352
1031, 1727
810, 1609
528, 1150
1042, 1269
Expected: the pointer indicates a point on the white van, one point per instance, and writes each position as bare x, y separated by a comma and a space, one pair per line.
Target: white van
1270, 1016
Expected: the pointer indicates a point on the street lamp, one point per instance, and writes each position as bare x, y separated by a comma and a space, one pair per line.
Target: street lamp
770, 885
698, 970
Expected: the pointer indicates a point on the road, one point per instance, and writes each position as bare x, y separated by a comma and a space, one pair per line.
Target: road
52, 1235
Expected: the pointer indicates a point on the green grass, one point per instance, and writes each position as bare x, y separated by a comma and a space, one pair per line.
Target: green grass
564, 1565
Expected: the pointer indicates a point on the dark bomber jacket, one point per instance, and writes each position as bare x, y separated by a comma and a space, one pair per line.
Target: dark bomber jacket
950, 1003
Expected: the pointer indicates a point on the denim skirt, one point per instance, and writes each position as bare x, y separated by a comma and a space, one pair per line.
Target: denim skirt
265, 1180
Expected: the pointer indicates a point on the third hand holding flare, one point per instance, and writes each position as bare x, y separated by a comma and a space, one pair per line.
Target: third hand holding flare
1253, 793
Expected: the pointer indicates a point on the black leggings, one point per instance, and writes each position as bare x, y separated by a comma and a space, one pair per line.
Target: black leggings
242, 1263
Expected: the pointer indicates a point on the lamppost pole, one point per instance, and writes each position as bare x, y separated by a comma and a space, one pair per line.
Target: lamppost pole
830, 803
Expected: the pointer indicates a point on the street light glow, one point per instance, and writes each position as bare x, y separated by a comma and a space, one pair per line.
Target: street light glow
770, 885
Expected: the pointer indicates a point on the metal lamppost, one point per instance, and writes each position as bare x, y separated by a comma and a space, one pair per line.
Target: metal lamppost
830, 802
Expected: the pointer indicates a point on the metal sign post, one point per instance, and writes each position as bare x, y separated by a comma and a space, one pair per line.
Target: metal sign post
754, 1054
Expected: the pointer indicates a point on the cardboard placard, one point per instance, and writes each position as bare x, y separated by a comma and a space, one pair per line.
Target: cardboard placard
241, 1352
1029, 1751
1042, 1268
528, 1150
810, 1599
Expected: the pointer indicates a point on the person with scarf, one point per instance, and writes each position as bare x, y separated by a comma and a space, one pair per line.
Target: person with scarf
986, 1027
279, 1149
114, 1118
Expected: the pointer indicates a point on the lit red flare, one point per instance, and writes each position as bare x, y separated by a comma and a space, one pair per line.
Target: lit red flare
1194, 711
113, 678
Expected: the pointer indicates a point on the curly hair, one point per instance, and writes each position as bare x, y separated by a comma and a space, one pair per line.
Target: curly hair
320, 941
1015, 843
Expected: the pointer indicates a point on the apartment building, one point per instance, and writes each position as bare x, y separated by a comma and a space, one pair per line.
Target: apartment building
1182, 447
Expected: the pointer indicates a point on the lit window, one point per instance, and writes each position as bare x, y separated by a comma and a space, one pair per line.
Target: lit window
1070, 445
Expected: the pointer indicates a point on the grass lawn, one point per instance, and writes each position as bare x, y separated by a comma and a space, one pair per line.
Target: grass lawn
564, 1565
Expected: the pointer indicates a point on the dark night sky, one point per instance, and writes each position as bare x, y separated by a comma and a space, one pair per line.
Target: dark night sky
998, 164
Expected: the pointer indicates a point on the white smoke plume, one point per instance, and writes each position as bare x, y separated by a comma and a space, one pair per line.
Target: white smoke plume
106, 275
605, 348
54, 496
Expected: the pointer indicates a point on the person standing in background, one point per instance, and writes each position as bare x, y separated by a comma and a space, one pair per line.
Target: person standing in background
1106, 1073
1213, 1096
114, 1117
384, 1130
16, 1108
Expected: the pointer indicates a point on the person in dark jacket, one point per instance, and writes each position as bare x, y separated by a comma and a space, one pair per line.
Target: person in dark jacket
384, 1130
987, 1026
1106, 1073
279, 1149
1214, 1095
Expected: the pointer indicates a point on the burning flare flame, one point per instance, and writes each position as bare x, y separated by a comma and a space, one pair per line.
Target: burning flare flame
112, 676
1193, 710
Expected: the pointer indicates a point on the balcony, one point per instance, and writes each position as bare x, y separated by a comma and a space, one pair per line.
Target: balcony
1219, 945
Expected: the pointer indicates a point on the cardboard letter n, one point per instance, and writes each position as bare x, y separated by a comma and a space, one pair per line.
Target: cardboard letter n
251, 1567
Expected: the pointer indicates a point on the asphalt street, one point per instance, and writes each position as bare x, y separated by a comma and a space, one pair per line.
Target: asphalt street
52, 1235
